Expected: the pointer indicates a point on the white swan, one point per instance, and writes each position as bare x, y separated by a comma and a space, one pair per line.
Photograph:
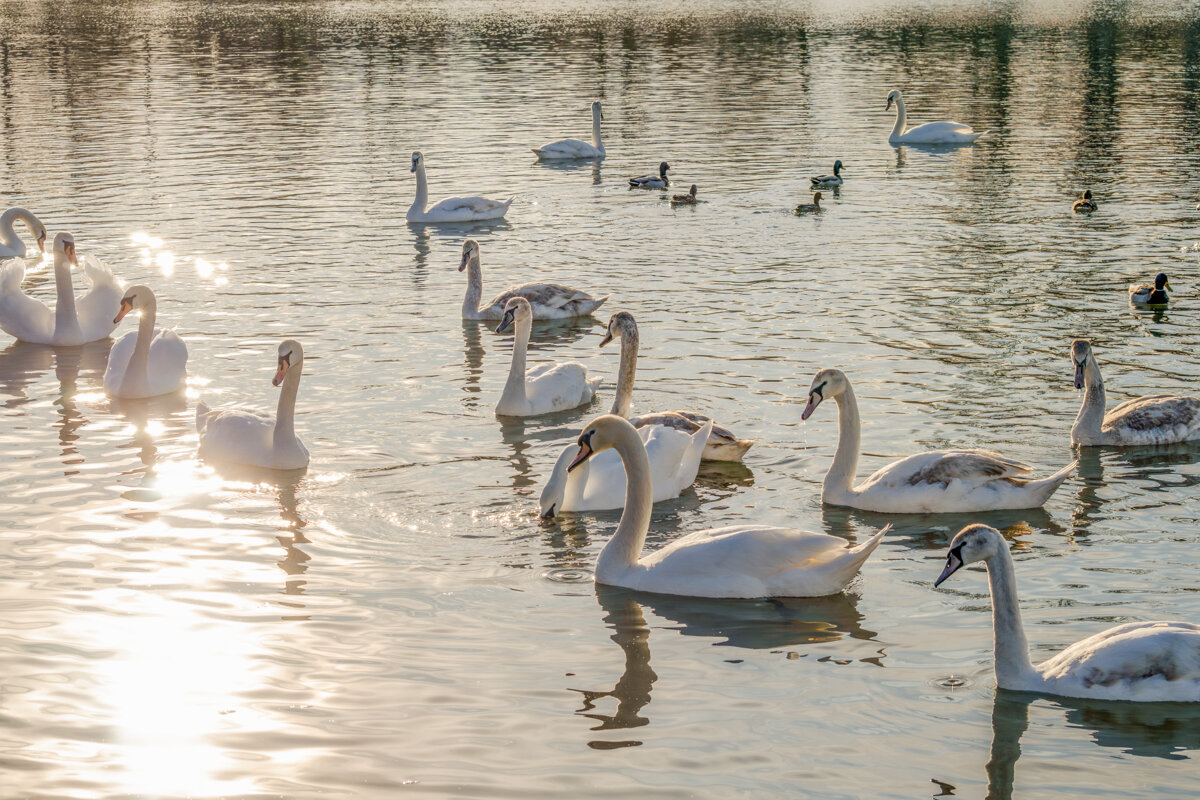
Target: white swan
658, 181
938, 481
72, 322
543, 389
548, 300
1140, 661
599, 483
1153, 419
243, 436
930, 132
455, 209
735, 561
722, 445
145, 362
11, 245
577, 148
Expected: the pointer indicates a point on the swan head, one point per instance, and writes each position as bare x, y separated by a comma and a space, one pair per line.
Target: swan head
417, 160
893, 97
290, 356
65, 243
517, 310
555, 489
138, 296
1161, 282
41, 237
973, 543
596, 110
470, 250
826, 384
1081, 352
601, 434
619, 324
662, 169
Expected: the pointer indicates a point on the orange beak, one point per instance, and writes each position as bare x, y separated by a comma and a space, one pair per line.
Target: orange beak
70, 251
41, 240
126, 307
279, 373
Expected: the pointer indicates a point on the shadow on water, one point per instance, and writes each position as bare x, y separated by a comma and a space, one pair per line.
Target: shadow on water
934, 531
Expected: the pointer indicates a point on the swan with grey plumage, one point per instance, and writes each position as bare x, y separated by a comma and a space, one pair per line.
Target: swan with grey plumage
546, 300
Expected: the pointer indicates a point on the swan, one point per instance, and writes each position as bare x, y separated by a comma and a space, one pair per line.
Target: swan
577, 148
810, 208
930, 132
455, 209
939, 481
658, 181
599, 483
244, 436
735, 561
1152, 419
688, 199
830, 180
1145, 295
11, 245
1139, 661
722, 445
548, 300
72, 322
1085, 204
145, 362
543, 389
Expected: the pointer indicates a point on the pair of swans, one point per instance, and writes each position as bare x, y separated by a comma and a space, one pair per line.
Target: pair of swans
146, 362
1148, 420
929, 133
576, 148
454, 209
11, 245
1139, 661
546, 300
1143, 294
940, 481
245, 436
546, 388
72, 322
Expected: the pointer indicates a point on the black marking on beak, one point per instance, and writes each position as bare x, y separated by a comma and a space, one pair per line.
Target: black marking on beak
549, 512
954, 563
506, 321
608, 337
585, 450
1079, 365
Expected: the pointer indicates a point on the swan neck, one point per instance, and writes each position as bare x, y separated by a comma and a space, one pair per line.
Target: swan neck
422, 198
285, 412
474, 288
8, 236
66, 320
137, 373
901, 117
622, 551
845, 460
596, 131
1013, 667
1091, 414
623, 401
514, 389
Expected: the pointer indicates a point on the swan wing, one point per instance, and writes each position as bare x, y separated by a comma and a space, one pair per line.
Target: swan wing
118, 362
940, 467
558, 387
541, 296
167, 363
20, 315
97, 307
239, 435
567, 148
1132, 661
1156, 416
473, 205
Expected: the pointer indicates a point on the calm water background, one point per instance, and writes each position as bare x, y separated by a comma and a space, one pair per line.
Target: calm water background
396, 620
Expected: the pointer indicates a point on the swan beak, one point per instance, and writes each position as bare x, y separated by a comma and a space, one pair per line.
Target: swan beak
126, 307
280, 372
506, 322
889, 105
548, 513
608, 337
466, 257
585, 452
953, 564
69, 249
41, 241
814, 400
1079, 376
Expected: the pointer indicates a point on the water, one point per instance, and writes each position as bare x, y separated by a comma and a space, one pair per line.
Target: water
396, 620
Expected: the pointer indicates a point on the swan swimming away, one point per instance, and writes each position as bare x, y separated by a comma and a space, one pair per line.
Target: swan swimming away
1139, 661
244, 436
455, 209
576, 148
73, 322
735, 561
658, 181
11, 245
546, 388
940, 481
1152, 419
930, 132
547, 300
1143, 294
145, 362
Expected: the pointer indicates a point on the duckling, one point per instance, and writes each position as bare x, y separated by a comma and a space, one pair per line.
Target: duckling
830, 180
658, 181
1143, 294
810, 208
1085, 204
688, 199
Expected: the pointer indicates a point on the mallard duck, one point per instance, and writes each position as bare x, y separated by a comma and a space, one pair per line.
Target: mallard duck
688, 199
658, 181
1143, 294
810, 208
830, 180
1085, 204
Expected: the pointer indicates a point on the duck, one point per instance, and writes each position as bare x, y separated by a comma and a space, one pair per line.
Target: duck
736, 561
454, 209
830, 180
1143, 294
810, 208
1147, 662
688, 199
146, 362
1148, 420
548, 300
940, 481
599, 483
577, 148
658, 181
11, 245
546, 388
930, 132
722, 444
73, 322
1085, 204
245, 436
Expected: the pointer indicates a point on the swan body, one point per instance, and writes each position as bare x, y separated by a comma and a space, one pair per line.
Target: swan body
11, 245
658, 181
73, 322
735, 561
1144, 294
1152, 419
577, 148
599, 483
455, 209
546, 388
940, 481
829, 180
1138, 661
722, 444
810, 208
1085, 204
688, 199
930, 132
244, 436
547, 300
145, 362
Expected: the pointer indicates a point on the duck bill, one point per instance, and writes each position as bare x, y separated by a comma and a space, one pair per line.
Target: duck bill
814, 400
1167, 286
952, 566
585, 452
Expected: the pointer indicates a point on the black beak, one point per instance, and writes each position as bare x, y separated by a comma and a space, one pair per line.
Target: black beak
608, 337
466, 257
953, 564
549, 513
1078, 375
505, 322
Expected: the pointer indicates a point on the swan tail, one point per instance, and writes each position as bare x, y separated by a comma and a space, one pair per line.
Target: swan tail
12, 272
866, 548
1043, 489
695, 453
202, 412
978, 135
722, 449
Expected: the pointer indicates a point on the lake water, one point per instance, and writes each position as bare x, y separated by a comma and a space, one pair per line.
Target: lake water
396, 620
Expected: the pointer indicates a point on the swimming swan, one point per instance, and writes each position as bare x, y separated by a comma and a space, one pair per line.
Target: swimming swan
11, 245
145, 362
243, 436
548, 300
735, 561
1139, 661
546, 388
930, 132
939, 481
455, 209
576, 148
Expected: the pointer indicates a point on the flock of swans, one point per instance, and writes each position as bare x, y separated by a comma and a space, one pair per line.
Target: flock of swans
631, 462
